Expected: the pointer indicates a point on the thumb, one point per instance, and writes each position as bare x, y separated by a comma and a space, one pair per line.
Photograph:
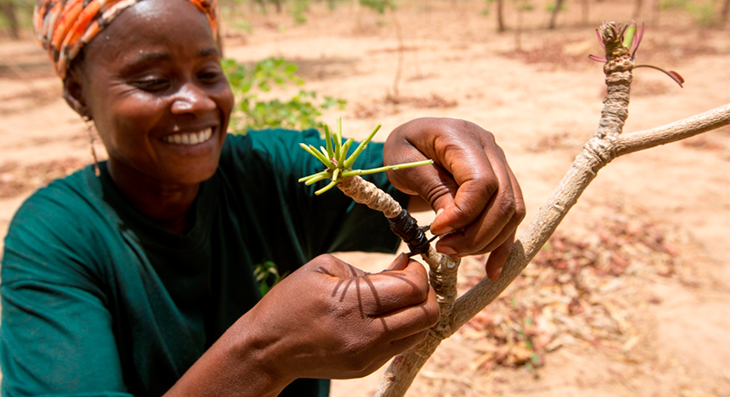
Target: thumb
400, 263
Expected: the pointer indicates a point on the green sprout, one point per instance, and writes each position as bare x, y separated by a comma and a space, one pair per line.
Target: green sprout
337, 162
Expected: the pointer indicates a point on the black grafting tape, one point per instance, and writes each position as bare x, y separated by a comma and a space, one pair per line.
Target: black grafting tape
406, 227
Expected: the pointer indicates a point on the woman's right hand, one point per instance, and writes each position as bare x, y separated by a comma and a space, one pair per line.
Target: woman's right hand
326, 320
332, 320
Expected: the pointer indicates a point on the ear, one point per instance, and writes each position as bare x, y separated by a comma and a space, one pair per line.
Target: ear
73, 94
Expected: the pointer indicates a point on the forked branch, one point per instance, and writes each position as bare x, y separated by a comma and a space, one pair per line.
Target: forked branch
606, 145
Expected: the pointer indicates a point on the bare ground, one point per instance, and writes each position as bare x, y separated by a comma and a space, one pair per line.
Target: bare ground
657, 326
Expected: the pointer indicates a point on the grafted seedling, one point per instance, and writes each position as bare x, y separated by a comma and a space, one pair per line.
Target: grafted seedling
334, 156
622, 41
338, 164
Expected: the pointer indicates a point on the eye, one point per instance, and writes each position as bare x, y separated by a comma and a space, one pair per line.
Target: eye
151, 83
210, 76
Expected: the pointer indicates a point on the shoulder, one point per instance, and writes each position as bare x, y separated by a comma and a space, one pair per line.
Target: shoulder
272, 150
62, 200
57, 225
269, 142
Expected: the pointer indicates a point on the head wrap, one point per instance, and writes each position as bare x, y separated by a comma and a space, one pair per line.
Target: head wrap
64, 26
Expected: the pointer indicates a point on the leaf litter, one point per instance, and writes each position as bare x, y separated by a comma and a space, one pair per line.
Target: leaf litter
578, 290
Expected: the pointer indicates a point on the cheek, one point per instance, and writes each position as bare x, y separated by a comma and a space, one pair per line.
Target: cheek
226, 101
132, 120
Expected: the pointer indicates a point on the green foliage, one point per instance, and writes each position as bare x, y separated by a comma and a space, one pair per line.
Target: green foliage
301, 111
298, 9
673, 4
703, 12
379, 5
339, 163
551, 7
267, 276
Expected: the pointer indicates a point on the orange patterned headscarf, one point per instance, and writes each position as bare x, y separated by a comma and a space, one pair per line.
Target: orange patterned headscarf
64, 26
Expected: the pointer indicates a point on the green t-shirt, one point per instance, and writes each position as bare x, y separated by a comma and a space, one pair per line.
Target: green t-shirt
99, 301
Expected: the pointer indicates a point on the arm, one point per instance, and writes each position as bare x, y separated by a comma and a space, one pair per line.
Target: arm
55, 323
326, 320
474, 192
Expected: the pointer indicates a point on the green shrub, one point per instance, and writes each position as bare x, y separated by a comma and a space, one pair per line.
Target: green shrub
301, 111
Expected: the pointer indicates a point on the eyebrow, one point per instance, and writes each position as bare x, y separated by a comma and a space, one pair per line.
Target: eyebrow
145, 58
208, 52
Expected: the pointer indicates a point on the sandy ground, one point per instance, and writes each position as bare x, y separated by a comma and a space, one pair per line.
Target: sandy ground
542, 104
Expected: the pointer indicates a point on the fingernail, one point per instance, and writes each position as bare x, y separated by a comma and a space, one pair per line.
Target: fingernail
440, 231
496, 275
439, 212
396, 263
448, 251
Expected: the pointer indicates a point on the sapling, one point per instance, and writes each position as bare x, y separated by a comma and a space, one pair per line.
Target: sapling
338, 169
620, 42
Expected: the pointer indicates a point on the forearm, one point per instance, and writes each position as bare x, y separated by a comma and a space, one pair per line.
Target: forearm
236, 365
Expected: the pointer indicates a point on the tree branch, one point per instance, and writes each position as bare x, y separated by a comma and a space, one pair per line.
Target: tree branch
682, 129
605, 145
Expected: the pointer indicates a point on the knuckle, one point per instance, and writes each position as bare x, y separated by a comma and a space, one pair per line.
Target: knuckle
508, 206
520, 211
433, 313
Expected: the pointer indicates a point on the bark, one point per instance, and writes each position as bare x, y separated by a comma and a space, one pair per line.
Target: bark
8, 10
365, 192
585, 12
401, 54
725, 12
554, 15
403, 368
500, 16
278, 6
637, 9
607, 144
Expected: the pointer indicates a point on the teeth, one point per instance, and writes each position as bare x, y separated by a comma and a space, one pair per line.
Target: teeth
190, 138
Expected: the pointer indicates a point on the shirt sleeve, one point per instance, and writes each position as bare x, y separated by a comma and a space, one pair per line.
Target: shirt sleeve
56, 337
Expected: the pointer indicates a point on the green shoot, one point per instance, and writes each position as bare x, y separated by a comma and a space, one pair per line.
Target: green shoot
338, 165
629, 35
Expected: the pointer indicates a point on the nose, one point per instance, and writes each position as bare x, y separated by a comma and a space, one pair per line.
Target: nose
192, 99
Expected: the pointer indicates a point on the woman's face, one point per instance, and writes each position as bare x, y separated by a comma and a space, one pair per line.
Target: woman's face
152, 82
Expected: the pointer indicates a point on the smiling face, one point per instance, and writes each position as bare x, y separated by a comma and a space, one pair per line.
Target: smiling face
153, 84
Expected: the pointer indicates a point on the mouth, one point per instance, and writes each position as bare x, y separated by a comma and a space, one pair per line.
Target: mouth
189, 138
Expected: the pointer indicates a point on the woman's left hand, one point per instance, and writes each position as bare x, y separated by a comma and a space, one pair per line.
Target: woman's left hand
476, 196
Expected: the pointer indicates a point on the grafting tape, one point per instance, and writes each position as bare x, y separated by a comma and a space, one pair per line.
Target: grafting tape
406, 227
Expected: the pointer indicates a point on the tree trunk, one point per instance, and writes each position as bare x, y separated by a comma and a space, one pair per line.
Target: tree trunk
725, 12
637, 9
657, 6
554, 15
585, 8
278, 5
8, 10
518, 31
500, 16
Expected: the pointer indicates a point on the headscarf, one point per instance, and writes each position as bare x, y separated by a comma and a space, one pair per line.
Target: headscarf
63, 27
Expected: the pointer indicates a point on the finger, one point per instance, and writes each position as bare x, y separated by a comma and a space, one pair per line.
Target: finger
400, 263
498, 257
381, 293
476, 182
334, 267
401, 345
506, 233
411, 320
484, 233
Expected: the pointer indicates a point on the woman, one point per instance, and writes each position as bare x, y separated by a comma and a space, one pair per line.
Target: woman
139, 281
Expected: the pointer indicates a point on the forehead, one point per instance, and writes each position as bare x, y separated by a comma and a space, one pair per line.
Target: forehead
151, 25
